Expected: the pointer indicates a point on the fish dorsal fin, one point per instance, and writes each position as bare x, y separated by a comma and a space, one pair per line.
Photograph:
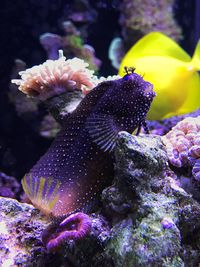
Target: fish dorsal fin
77, 118
157, 44
103, 130
43, 192
92, 98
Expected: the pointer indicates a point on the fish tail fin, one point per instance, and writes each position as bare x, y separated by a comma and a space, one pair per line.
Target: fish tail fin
43, 192
196, 57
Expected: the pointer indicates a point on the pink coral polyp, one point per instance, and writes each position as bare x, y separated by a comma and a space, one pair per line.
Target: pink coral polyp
54, 77
74, 227
183, 145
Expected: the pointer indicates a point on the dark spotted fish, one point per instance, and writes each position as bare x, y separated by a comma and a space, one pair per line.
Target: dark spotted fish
79, 163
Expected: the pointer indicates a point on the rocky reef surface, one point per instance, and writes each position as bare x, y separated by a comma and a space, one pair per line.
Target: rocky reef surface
145, 218
156, 231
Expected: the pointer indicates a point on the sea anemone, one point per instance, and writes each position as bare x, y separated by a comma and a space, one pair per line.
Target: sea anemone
183, 145
54, 77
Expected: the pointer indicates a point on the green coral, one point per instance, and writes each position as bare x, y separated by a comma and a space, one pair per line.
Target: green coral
75, 41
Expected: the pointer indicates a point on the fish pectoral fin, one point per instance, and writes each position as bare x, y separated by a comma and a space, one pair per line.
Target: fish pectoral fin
103, 130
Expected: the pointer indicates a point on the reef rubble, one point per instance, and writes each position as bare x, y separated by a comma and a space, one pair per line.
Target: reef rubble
160, 228
145, 218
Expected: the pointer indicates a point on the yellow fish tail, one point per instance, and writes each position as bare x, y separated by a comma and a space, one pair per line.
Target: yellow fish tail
43, 192
196, 57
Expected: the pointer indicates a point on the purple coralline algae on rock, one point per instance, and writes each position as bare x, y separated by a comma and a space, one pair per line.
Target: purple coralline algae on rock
22, 228
154, 230
161, 127
152, 220
23, 105
9, 186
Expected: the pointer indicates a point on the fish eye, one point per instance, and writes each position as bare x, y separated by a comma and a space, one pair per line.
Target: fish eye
126, 77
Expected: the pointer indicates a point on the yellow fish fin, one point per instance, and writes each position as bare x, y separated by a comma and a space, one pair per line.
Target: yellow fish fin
43, 192
158, 44
192, 101
154, 44
196, 57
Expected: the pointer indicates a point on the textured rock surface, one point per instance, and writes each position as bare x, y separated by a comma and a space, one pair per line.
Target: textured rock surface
153, 232
149, 220
9, 186
20, 226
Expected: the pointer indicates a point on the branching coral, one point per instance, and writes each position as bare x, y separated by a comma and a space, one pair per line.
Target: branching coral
54, 77
183, 145
51, 43
72, 43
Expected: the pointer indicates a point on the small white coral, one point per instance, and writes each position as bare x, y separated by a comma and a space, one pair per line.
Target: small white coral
109, 78
183, 145
101, 79
56, 76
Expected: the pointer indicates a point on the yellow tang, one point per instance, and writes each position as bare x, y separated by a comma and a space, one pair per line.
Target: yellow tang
171, 70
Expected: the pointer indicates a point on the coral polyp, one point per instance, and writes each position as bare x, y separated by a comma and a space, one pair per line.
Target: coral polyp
74, 227
183, 145
54, 77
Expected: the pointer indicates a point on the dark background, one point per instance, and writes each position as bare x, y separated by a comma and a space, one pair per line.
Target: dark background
21, 24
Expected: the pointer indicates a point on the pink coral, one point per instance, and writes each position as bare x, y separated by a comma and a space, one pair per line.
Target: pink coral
54, 77
183, 145
74, 227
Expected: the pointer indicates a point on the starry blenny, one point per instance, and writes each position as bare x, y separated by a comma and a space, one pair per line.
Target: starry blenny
79, 163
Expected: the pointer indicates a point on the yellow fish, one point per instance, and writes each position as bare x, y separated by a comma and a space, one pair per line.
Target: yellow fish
171, 70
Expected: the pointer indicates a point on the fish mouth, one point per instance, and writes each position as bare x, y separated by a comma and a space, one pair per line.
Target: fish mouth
148, 91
